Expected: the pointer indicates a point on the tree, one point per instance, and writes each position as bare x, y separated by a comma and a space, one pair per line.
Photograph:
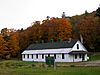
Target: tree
9, 43
4, 31
13, 44
86, 13
56, 28
98, 12
2, 47
88, 29
35, 32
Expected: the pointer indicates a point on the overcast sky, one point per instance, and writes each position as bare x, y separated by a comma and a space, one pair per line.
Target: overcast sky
21, 13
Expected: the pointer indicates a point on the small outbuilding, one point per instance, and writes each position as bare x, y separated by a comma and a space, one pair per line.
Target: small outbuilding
62, 51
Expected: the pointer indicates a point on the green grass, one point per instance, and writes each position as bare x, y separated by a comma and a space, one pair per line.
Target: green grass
51, 71
95, 56
15, 67
12, 67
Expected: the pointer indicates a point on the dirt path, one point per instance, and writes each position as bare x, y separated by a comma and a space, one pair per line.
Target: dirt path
92, 63
88, 63
97, 61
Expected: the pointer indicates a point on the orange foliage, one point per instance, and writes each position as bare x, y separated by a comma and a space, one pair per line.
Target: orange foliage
56, 28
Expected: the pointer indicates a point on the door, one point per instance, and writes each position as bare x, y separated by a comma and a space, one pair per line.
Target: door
83, 57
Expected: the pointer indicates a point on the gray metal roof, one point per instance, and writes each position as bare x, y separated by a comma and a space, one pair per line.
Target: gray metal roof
78, 52
52, 45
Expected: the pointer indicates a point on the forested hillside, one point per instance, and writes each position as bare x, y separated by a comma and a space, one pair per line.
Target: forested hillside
86, 26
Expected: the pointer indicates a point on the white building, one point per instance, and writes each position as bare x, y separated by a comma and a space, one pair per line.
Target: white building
62, 51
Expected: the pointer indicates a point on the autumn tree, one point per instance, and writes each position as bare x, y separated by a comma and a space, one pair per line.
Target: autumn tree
36, 31
9, 43
88, 29
2, 47
23, 40
97, 42
13, 44
56, 28
4, 31
45, 30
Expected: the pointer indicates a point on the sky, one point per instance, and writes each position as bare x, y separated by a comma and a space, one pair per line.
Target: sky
19, 14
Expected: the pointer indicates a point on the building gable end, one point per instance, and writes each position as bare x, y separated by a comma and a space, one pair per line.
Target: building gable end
78, 47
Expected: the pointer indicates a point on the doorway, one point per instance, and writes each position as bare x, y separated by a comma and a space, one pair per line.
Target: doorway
83, 57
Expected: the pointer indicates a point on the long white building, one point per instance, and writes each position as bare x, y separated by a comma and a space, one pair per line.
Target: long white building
63, 51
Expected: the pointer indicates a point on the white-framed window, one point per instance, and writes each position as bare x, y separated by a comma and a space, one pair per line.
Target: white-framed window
36, 56
42, 56
77, 46
55, 56
75, 56
27, 55
23, 55
32, 56
62, 55
80, 56
48, 55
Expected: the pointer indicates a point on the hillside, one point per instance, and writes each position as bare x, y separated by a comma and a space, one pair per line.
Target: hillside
85, 26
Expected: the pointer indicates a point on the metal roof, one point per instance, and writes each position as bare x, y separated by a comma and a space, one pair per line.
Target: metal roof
47, 51
52, 45
78, 52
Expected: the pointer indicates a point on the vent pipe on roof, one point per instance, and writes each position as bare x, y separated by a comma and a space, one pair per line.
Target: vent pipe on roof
42, 41
51, 40
81, 38
59, 40
36, 42
70, 39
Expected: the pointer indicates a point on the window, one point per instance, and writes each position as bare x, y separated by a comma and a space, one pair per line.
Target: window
55, 56
27, 55
80, 56
62, 56
48, 55
77, 46
37, 56
23, 55
42, 56
32, 56
75, 56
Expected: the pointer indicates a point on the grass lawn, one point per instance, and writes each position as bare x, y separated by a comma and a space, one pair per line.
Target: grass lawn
95, 56
51, 71
15, 67
11, 67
